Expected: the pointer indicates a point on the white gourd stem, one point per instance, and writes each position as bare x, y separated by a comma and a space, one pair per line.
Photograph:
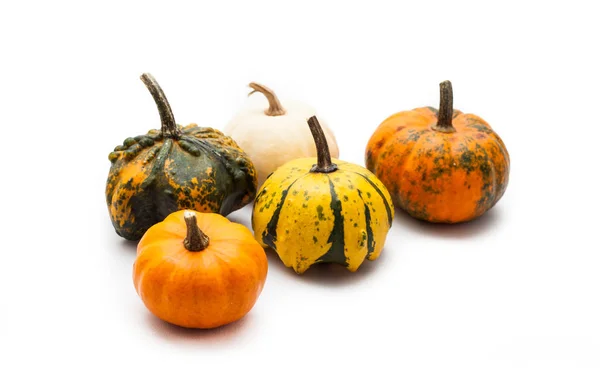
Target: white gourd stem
275, 108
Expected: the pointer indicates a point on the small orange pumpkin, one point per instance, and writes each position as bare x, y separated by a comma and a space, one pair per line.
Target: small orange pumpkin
199, 270
439, 166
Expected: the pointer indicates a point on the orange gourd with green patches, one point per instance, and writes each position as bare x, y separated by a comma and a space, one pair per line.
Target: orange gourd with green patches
199, 270
440, 166
175, 168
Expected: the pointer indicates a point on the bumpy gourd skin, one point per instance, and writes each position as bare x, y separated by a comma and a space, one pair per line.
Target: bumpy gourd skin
437, 176
339, 217
156, 174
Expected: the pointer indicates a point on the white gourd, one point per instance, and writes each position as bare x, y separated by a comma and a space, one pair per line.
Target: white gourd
273, 136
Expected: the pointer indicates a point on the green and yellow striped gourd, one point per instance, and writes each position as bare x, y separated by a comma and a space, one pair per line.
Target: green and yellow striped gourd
313, 210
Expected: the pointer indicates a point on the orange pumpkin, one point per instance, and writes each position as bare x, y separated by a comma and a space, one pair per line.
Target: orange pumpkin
199, 270
439, 166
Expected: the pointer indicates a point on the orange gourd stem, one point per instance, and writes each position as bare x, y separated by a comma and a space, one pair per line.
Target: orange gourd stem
168, 126
324, 164
446, 110
275, 108
195, 239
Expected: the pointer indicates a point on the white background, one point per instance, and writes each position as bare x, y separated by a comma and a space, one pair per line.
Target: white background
511, 297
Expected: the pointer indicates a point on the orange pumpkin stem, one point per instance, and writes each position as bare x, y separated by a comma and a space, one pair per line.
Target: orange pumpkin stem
195, 239
275, 108
324, 164
167, 120
446, 110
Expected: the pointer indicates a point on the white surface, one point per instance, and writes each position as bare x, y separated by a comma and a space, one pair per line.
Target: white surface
513, 297
282, 138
